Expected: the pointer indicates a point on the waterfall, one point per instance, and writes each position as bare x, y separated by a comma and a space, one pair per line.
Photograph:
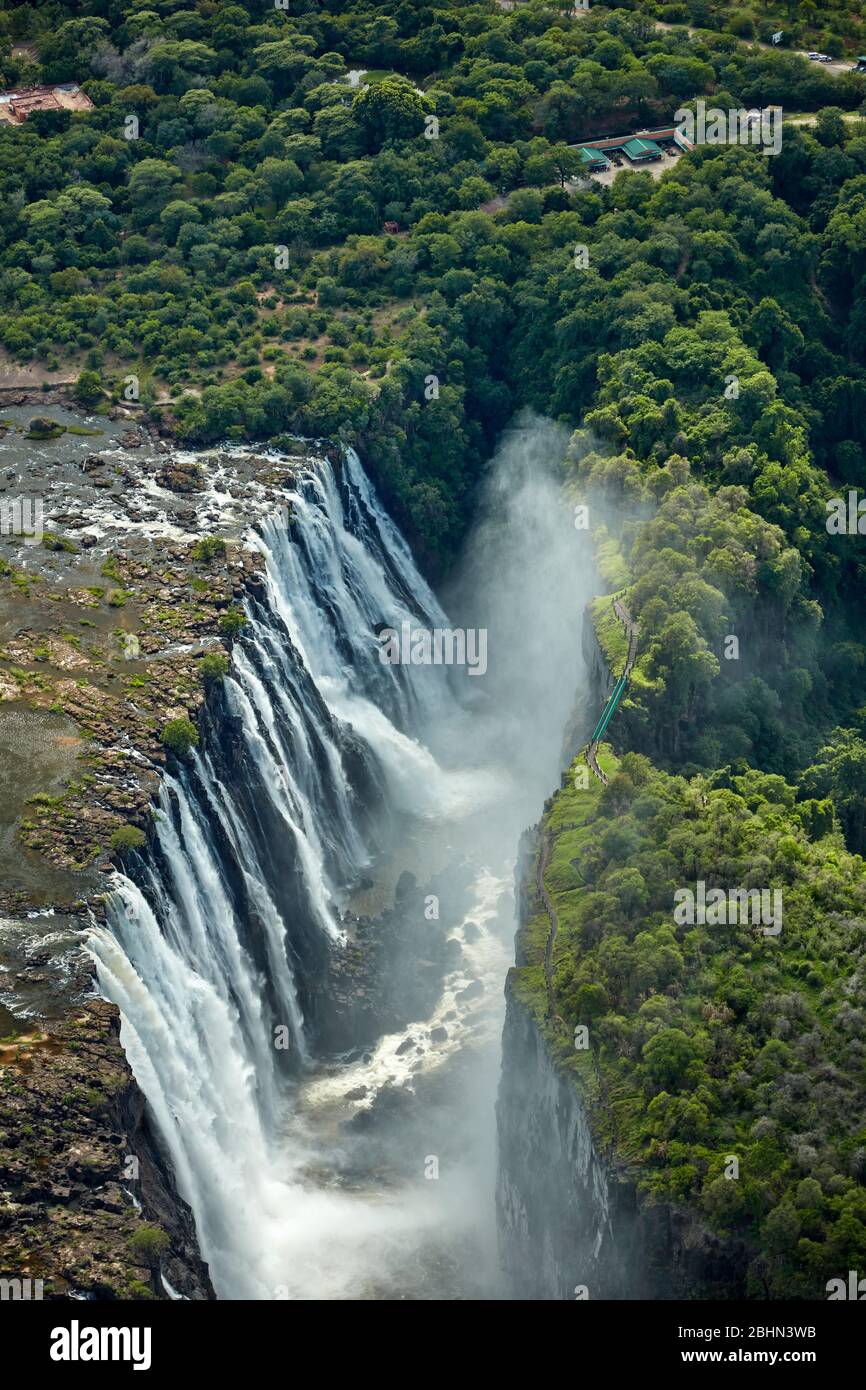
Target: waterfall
214, 951
320, 771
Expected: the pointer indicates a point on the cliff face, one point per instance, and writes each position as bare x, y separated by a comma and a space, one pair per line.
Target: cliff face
600, 678
83, 1184
552, 1197
553, 1194
570, 1224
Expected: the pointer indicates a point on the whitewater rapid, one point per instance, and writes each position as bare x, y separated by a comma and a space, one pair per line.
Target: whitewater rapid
208, 950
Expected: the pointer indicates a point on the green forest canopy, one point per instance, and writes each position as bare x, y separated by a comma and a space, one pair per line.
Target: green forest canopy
267, 249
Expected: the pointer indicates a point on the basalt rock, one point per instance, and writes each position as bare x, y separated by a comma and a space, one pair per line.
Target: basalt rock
180, 478
390, 971
81, 1174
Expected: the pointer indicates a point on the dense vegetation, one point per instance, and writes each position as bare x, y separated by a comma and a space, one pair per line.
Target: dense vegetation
233, 257
712, 1042
258, 246
837, 29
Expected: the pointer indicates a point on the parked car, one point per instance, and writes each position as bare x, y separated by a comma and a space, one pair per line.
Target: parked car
813, 57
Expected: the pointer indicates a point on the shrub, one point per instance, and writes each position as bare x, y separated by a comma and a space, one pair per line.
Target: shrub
232, 621
208, 547
88, 388
179, 735
213, 667
116, 598
127, 837
139, 1291
329, 291
149, 1242
742, 24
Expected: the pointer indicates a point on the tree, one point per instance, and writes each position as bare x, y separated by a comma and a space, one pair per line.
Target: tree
389, 110
152, 183
88, 389
66, 51
839, 771
681, 657
171, 63
830, 126
465, 138
282, 176
175, 215
590, 1001
774, 333
337, 131
668, 1056
283, 63
565, 161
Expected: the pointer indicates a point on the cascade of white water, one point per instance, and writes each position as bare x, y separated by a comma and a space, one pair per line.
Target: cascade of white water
339, 574
301, 743
199, 922
211, 951
185, 1043
200, 999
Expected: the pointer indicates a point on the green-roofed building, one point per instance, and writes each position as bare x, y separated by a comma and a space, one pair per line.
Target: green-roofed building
639, 151
594, 160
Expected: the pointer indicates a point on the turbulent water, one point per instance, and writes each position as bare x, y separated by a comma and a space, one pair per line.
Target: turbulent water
324, 771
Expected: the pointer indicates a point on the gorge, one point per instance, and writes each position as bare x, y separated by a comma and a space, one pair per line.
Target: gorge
286, 1011
318, 1165
426, 627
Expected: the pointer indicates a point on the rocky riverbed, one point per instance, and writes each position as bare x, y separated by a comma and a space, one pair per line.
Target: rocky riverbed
104, 620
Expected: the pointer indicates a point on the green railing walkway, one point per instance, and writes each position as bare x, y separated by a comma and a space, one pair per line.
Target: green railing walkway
610, 708
615, 696
608, 712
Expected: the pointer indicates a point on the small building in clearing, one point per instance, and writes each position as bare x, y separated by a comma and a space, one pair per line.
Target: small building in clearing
596, 161
15, 107
639, 151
